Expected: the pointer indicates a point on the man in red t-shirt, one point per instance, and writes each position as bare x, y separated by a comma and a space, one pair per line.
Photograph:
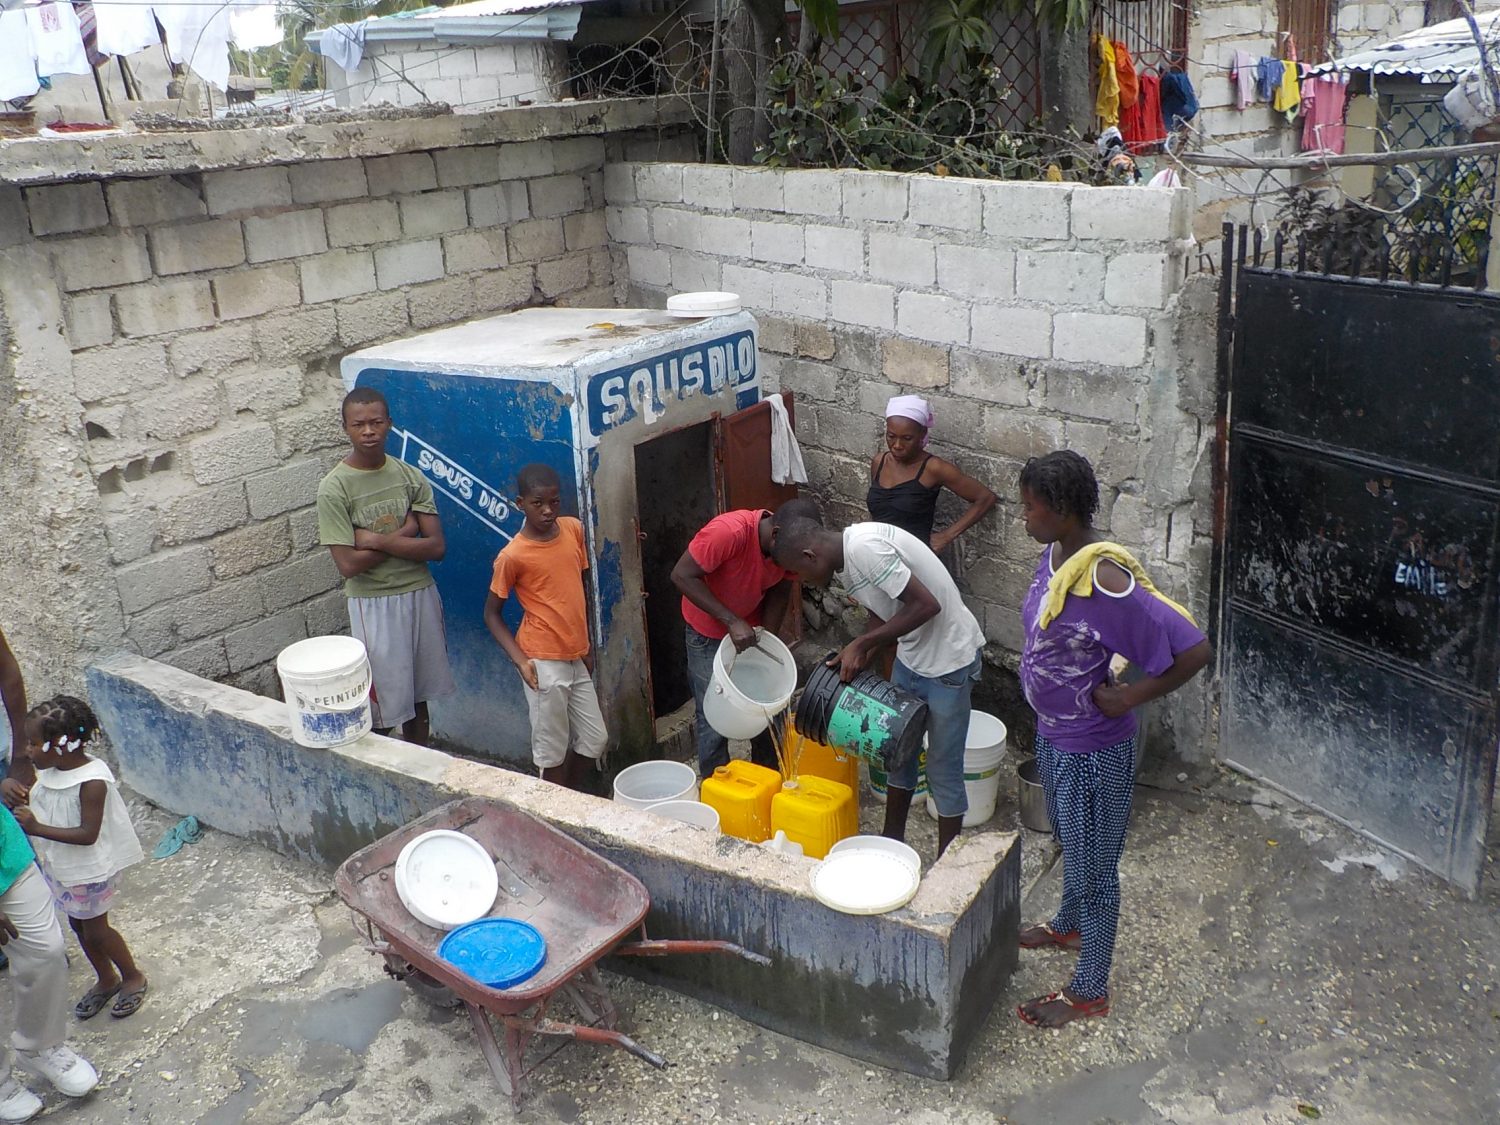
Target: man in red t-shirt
730, 584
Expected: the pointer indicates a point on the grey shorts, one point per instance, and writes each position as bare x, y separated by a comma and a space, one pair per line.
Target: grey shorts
564, 713
404, 636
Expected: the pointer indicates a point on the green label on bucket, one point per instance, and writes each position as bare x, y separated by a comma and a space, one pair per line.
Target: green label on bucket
860, 725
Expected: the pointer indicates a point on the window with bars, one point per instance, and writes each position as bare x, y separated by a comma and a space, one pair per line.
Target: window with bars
1310, 24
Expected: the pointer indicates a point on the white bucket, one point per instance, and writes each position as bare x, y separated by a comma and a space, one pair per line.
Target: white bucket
984, 749
650, 783
749, 689
695, 813
326, 682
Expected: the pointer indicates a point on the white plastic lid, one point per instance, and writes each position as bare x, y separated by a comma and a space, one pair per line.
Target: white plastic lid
321, 656
864, 881
446, 879
703, 304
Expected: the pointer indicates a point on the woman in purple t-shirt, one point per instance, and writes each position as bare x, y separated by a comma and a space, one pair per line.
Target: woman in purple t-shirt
1085, 740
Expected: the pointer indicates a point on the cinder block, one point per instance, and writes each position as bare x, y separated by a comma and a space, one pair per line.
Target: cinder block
649, 265
223, 606
433, 212
797, 295
1011, 331
556, 195
807, 191
864, 303
291, 234
474, 250
757, 189
132, 535
261, 642
536, 239
283, 489
929, 316
835, 248
525, 159
659, 183
182, 409
467, 167
561, 275
304, 528
248, 293
400, 175
161, 199
1115, 341
298, 335
15, 225
695, 273
585, 231
190, 247
619, 183
757, 288
264, 391
1138, 280
910, 261
299, 580
66, 208
875, 196
940, 201
709, 186
1134, 214
366, 319
914, 365
441, 302
364, 223
102, 260
323, 181
984, 273
315, 428
1026, 211
1105, 396
776, 242
162, 576
206, 659
91, 320
236, 452
499, 290
578, 154
1019, 435
327, 614
102, 373
1060, 277
990, 378
480, 90
337, 274
408, 263
457, 62
674, 227
164, 306
201, 513
247, 190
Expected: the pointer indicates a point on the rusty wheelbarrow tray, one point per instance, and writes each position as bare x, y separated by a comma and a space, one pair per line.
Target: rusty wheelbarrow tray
583, 905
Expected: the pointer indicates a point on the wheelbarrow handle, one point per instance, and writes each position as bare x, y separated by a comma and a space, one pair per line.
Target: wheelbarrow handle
602, 1036
665, 948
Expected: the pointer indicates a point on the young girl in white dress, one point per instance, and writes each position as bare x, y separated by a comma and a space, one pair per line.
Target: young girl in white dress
83, 838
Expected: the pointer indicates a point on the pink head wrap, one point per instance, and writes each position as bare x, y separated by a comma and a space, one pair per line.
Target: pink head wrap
914, 407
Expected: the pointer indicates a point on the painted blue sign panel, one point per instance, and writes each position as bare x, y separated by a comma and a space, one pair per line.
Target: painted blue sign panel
647, 387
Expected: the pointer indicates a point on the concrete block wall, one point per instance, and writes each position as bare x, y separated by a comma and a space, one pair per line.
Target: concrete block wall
471, 77
1034, 316
170, 379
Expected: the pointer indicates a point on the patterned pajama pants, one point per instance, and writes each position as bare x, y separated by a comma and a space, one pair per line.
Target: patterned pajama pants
1088, 800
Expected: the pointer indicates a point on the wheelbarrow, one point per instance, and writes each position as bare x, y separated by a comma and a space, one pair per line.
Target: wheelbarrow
583, 905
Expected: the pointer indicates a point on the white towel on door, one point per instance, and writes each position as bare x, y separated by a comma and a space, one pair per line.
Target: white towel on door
786, 454
57, 40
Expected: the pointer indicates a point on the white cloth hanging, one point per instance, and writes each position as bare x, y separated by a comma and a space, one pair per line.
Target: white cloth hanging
124, 28
254, 27
17, 63
344, 44
56, 39
786, 454
198, 37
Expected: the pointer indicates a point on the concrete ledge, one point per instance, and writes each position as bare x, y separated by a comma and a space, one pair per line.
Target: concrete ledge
908, 990
48, 160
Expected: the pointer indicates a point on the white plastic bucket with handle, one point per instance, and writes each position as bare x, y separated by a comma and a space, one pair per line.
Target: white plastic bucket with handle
650, 783
748, 689
984, 750
695, 813
326, 682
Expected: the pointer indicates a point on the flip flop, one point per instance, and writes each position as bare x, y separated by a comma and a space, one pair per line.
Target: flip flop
129, 1003
1082, 1009
1042, 935
93, 1002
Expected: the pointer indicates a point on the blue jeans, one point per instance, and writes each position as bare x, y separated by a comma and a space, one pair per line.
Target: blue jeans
948, 707
713, 747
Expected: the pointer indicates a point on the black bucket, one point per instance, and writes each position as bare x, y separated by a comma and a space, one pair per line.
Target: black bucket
867, 716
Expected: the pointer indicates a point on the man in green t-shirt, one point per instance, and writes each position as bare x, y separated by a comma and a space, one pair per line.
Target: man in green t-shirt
377, 516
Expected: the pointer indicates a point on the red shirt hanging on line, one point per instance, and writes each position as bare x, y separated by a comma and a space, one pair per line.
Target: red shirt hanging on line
1141, 124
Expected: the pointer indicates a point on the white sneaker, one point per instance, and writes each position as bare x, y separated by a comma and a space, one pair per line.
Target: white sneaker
17, 1103
62, 1066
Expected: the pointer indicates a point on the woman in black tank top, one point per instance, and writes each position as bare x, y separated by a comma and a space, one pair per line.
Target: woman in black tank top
905, 480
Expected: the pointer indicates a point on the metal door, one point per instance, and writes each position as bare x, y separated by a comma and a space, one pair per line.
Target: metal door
1358, 649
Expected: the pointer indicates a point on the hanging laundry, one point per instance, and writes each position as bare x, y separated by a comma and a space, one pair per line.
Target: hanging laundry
344, 44
56, 40
123, 28
1242, 73
17, 63
1268, 73
1130, 89
1141, 124
1323, 99
1288, 99
1179, 101
1107, 104
198, 36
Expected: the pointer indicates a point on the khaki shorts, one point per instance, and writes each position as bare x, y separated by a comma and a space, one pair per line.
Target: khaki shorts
564, 710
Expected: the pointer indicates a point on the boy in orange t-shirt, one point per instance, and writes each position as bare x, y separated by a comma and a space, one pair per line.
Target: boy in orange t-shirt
543, 566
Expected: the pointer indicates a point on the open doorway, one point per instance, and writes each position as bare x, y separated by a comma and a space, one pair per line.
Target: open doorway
675, 496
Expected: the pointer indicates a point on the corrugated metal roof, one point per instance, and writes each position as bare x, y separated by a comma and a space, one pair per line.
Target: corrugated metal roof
1444, 52
479, 22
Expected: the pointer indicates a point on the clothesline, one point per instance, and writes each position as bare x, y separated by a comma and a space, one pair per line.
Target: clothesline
1341, 160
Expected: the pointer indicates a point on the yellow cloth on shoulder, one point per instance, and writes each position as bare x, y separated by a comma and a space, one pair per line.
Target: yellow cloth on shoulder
1076, 576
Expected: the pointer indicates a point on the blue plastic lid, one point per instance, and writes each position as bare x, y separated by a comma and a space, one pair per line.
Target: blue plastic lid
497, 952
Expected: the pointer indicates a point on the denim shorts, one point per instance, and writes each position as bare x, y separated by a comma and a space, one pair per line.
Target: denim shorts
948, 707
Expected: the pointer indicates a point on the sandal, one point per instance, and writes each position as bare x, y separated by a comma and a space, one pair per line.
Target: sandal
1072, 1009
1042, 935
129, 1003
93, 1001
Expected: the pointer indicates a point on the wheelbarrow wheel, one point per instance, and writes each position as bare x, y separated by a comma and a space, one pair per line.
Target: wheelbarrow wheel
431, 991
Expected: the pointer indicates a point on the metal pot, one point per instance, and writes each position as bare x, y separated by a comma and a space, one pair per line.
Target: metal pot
1031, 797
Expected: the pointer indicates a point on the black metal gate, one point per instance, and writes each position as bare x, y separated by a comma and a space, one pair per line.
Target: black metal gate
1357, 601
